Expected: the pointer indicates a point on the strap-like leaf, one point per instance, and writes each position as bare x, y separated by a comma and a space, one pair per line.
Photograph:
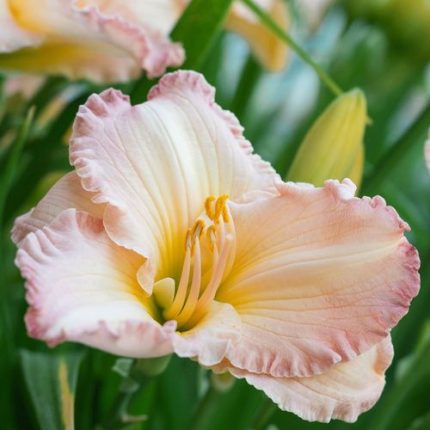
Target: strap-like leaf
51, 381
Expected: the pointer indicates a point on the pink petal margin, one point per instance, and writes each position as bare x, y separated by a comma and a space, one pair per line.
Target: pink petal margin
300, 343
343, 392
100, 304
154, 51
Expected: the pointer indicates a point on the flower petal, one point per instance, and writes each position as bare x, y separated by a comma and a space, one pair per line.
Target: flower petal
343, 392
82, 287
322, 278
154, 164
268, 48
65, 194
209, 341
12, 37
82, 42
162, 13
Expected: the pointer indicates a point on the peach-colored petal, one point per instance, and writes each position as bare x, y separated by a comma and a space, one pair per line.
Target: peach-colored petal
13, 37
23, 85
65, 194
82, 287
83, 42
322, 277
154, 164
342, 392
162, 13
268, 48
209, 341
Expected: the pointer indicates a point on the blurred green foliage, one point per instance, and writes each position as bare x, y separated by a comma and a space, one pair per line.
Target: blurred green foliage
358, 50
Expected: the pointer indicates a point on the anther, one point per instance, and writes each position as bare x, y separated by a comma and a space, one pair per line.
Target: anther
220, 206
209, 207
197, 229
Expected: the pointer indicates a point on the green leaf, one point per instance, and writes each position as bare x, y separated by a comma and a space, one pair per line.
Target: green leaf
51, 380
198, 27
8, 175
422, 423
196, 30
400, 401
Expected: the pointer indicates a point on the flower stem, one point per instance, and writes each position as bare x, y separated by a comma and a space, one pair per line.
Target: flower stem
250, 76
204, 409
264, 415
284, 36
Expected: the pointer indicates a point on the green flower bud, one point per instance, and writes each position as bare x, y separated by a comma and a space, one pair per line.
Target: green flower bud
333, 148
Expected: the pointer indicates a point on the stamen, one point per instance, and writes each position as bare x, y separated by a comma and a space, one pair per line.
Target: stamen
197, 229
211, 235
181, 292
193, 295
212, 287
219, 206
209, 207
191, 302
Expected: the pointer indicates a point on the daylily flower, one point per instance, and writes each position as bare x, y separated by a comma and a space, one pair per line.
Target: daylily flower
112, 40
171, 236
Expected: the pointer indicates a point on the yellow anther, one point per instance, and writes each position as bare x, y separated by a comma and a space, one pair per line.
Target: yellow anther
197, 229
225, 214
209, 207
220, 206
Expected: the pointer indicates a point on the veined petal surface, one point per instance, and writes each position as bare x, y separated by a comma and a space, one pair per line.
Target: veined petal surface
154, 164
322, 278
343, 392
82, 287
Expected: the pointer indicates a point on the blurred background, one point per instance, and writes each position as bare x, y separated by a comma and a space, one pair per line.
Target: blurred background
380, 46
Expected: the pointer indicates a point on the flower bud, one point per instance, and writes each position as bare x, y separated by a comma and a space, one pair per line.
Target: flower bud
222, 382
333, 147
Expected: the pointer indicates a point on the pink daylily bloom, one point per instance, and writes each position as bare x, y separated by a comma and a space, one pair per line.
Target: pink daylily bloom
91, 39
171, 236
112, 40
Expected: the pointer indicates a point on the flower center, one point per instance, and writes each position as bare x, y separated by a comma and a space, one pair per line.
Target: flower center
209, 255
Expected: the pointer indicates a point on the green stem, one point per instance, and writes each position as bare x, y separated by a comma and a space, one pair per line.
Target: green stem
120, 405
250, 76
8, 175
204, 409
284, 36
397, 394
264, 415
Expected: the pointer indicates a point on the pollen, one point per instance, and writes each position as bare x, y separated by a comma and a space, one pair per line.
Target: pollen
215, 229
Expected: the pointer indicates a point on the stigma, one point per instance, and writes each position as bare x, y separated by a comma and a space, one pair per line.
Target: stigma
210, 247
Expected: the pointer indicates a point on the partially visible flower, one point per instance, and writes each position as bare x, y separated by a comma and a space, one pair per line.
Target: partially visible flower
22, 85
106, 41
333, 147
269, 49
95, 39
172, 236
